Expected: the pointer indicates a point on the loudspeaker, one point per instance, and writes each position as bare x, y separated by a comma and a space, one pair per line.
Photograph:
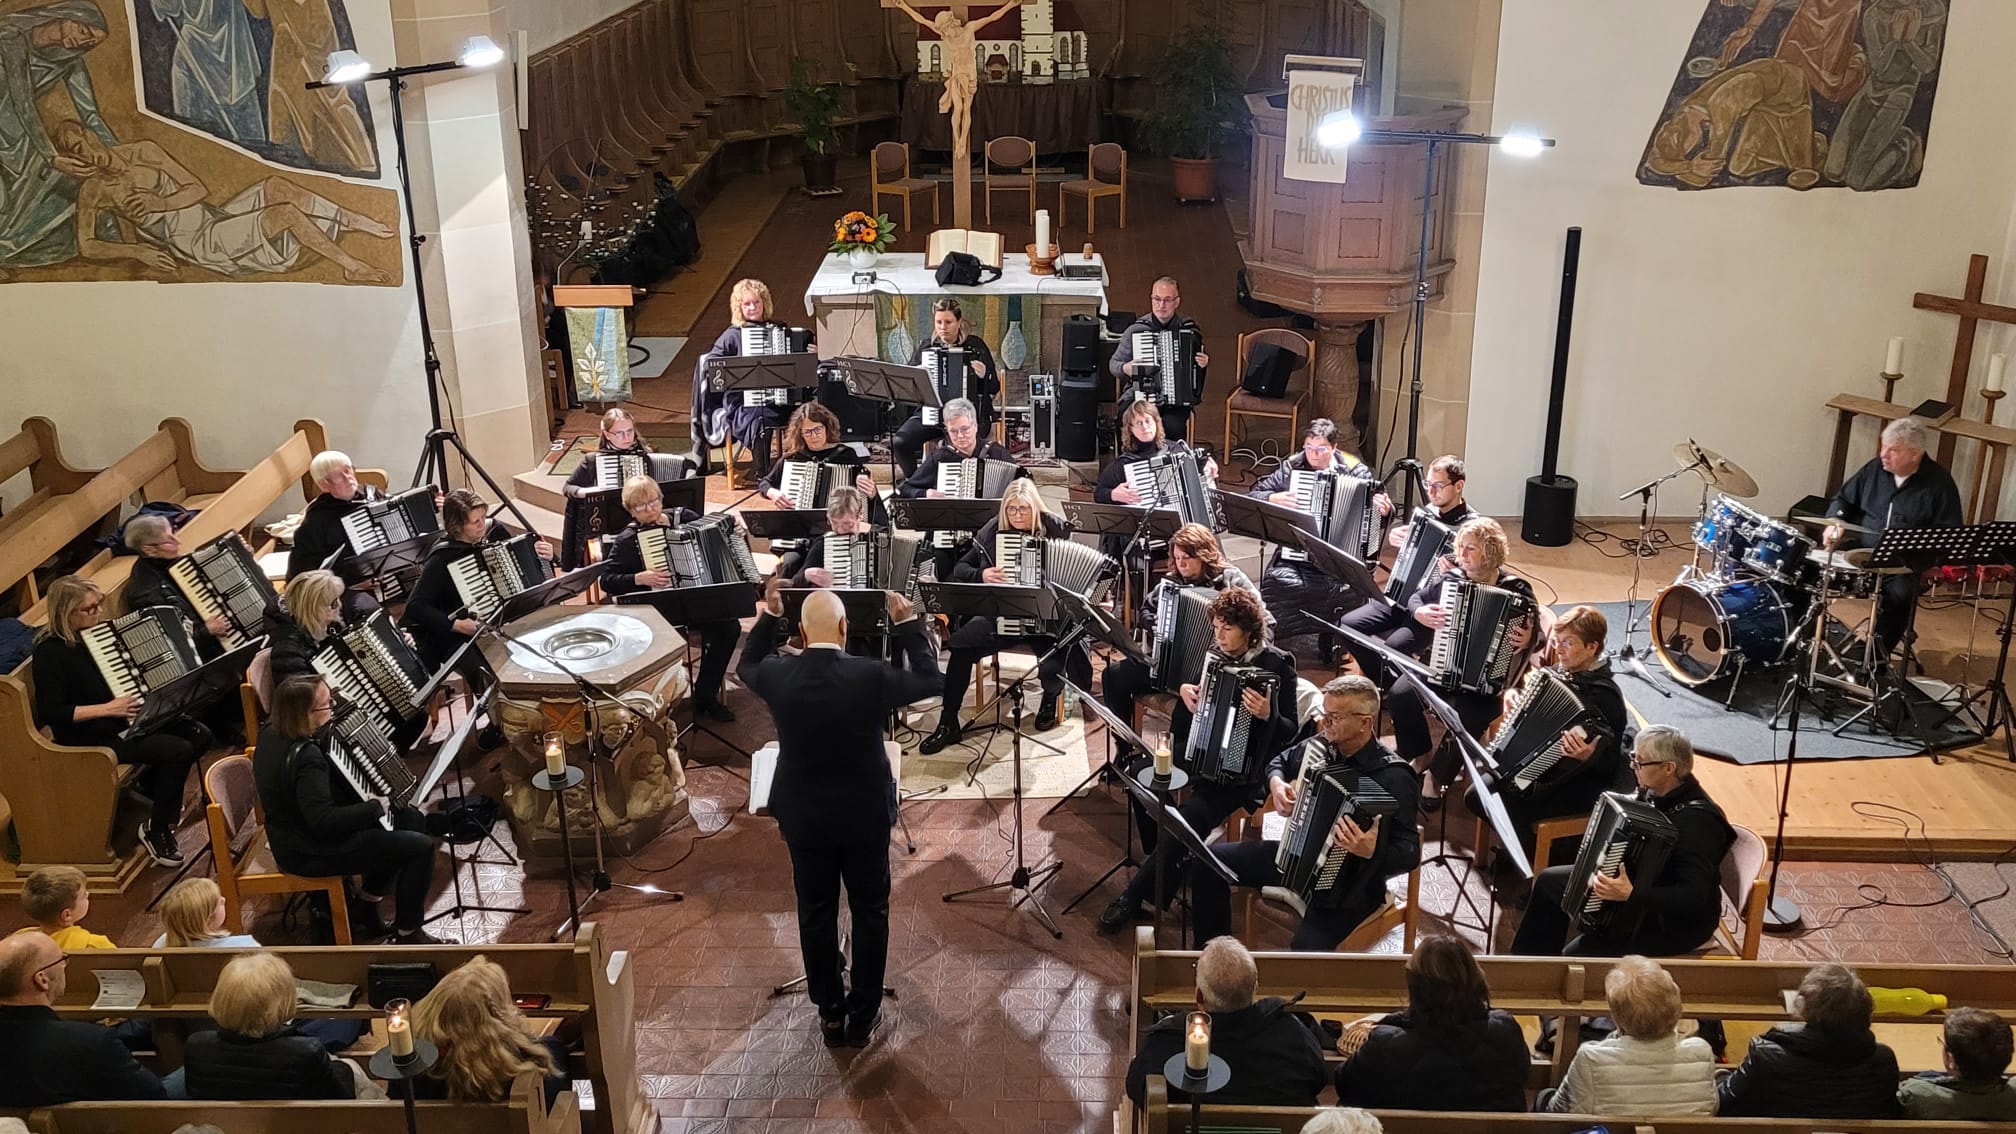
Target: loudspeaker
1550, 498
1081, 346
1078, 417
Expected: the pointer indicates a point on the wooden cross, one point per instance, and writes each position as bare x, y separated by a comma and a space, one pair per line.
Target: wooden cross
1971, 311
959, 62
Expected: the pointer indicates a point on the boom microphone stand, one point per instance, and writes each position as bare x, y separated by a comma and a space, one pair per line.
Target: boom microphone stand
1646, 493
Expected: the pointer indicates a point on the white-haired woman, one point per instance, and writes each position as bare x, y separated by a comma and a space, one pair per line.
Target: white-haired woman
1644, 1069
320, 534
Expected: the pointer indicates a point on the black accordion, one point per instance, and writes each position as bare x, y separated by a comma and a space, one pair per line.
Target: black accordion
1428, 540
881, 560
1175, 479
387, 520
366, 756
704, 552
951, 374
1220, 748
1326, 789
1344, 507
971, 478
1527, 747
1624, 833
375, 667
493, 572
1182, 633
1035, 561
807, 484
1473, 650
221, 579
614, 470
140, 652
1177, 381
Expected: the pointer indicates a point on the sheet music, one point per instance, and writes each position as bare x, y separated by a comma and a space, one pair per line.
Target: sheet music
762, 774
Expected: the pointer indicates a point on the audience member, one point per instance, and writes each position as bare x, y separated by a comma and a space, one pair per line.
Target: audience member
256, 1052
484, 1041
55, 899
1343, 1120
192, 916
1448, 1050
1644, 1069
1273, 1053
51, 1060
1827, 1066
1975, 1085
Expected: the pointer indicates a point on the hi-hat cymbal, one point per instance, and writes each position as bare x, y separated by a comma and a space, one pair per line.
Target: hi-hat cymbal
1720, 472
1821, 523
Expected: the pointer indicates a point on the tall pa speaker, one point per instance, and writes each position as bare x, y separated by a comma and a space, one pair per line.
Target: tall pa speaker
1078, 417
1549, 519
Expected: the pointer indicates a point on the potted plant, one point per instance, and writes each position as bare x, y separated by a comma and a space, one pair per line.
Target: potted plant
862, 238
1199, 98
814, 105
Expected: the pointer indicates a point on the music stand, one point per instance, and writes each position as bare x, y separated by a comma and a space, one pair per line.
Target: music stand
786, 523
1102, 627
795, 371
867, 607
687, 607
995, 600
552, 592
1997, 547
943, 513
1263, 520
191, 691
1916, 550
398, 560
688, 492
1141, 525
1340, 565
1148, 790
1114, 726
450, 752
890, 383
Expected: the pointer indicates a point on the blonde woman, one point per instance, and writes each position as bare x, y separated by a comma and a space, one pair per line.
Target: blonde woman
256, 1052
717, 415
75, 704
590, 513
1022, 510
311, 607
484, 1041
193, 915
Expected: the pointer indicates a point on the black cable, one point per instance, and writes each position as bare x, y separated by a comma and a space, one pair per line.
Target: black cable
1392, 417
702, 837
1657, 540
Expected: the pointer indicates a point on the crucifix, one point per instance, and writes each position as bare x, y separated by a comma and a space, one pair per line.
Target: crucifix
1971, 311
962, 80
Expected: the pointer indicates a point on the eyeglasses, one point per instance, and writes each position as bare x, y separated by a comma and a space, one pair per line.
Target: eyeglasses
50, 965
1328, 717
962, 430
811, 427
1439, 485
1165, 299
92, 608
1637, 763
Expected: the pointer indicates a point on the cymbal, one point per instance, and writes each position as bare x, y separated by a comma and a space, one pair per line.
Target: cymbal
1717, 470
1821, 523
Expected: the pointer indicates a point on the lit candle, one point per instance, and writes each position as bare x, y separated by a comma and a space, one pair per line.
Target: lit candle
1163, 762
398, 1029
1197, 1043
1043, 233
1893, 359
1996, 363
556, 759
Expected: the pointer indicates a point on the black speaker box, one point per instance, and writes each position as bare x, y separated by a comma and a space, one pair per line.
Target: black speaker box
1078, 417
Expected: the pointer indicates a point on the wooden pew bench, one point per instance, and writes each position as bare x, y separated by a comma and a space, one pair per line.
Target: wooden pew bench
525, 1113
587, 983
35, 451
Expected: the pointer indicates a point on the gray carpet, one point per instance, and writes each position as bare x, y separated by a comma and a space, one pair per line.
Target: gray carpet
1742, 733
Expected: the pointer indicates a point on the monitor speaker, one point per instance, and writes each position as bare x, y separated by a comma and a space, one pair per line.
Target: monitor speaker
1078, 417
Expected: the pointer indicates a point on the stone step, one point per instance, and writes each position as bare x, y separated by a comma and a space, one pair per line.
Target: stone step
539, 489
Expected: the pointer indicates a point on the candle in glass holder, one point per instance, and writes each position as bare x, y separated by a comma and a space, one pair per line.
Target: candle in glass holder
398, 1029
1893, 359
1163, 761
1197, 1043
556, 758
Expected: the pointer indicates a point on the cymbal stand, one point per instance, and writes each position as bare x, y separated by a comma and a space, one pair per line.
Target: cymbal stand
1647, 494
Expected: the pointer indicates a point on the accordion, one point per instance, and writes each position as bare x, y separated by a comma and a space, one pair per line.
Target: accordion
1326, 790
493, 572
366, 756
971, 478
1343, 507
142, 651
1173, 354
880, 560
1473, 650
613, 470
1036, 561
389, 520
376, 668
1182, 633
1173, 479
1623, 833
951, 375
1527, 747
221, 579
770, 338
1428, 540
703, 552
807, 484
1222, 732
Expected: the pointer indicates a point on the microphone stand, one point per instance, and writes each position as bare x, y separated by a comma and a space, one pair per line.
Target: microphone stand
1628, 654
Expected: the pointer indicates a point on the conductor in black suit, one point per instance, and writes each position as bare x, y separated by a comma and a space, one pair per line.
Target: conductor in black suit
834, 796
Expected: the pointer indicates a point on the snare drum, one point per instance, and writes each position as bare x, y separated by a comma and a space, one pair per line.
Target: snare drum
1778, 551
1726, 530
1842, 572
1700, 626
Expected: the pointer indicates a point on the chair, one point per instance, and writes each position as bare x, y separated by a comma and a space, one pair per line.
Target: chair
1105, 176
1746, 893
255, 693
1402, 909
1286, 407
1015, 158
238, 843
889, 172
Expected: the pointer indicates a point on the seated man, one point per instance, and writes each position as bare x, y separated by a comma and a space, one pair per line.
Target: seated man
1682, 905
1346, 737
149, 584
1828, 1065
1274, 1055
1294, 588
1899, 488
626, 574
1975, 1086
49, 1060
1393, 622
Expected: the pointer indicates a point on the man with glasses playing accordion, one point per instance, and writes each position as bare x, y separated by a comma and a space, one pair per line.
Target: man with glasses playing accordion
1351, 826
627, 573
1245, 691
1422, 548
1292, 584
1163, 300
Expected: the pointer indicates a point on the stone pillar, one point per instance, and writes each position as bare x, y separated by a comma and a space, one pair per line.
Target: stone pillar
469, 196
1335, 385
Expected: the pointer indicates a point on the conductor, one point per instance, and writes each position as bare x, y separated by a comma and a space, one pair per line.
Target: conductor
834, 796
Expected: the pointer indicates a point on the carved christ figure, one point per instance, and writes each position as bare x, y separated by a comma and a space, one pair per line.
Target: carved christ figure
962, 70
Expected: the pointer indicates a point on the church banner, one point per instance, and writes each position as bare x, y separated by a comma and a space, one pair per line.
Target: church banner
1314, 96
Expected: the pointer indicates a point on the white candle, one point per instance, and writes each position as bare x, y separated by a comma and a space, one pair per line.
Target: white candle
1893, 359
1163, 761
398, 1030
556, 759
1042, 233
1197, 1043
1996, 363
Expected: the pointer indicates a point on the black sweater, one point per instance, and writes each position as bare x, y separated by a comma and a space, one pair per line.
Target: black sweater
980, 555
985, 386
1404, 1064
1873, 499
1573, 789
285, 1065
1115, 472
311, 810
66, 679
1686, 899
1274, 1055
626, 558
1399, 847
921, 482
293, 650
830, 455
433, 606
149, 584
320, 533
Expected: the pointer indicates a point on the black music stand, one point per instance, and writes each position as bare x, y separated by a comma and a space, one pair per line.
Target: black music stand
996, 600
402, 561
689, 492
1340, 565
867, 607
893, 384
1114, 727
1916, 550
190, 692
686, 607
798, 370
1264, 520
786, 523
1997, 547
1154, 794
450, 752
1102, 627
1141, 525
943, 513
552, 592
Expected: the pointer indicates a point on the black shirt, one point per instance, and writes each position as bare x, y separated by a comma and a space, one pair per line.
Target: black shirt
626, 557
320, 533
66, 679
985, 386
1873, 499
1399, 848
1686, 899
921, 482
980, 555
1115, 473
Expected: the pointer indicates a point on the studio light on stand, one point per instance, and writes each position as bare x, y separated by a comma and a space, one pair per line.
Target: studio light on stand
1343, 129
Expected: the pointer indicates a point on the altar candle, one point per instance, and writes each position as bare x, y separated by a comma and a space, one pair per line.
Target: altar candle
398, 1030
1163, 762
1197, 1043
1893, 359
1043, 233
556, 759
1996, 363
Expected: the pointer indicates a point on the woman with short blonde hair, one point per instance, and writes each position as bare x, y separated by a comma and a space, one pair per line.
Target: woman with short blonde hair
309, 611
256, 1052
484, 1041
721, 414
1645, 1069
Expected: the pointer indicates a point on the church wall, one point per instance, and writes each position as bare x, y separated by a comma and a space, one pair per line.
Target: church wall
547, 22
1728, 316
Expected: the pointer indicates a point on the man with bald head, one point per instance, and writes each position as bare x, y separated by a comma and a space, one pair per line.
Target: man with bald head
834, 796
48, 1060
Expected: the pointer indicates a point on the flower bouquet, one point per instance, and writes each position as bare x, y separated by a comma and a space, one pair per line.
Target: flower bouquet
861, 237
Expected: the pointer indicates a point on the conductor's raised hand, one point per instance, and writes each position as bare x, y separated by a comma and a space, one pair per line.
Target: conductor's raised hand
900, 610
1355, 840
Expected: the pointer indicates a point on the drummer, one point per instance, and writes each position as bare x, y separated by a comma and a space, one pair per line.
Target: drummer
1900, 488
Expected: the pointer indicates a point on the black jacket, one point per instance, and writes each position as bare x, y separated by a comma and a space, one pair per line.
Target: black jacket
1124, 352
433, 606
1281, 724
1578, 784
587, 513
1404, 1065
320, 533
311, 810
66, 679
626, 559
1273, 1053
833, 778
984, 387
1873, 499
1793, 1071
925, 478
293, 650
1685, 901
285, 1065
835, 454
1399, 849
980, 553
149, 584
1115, 472
50, 1061
1277, 481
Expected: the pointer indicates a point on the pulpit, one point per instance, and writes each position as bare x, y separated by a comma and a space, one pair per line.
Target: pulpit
1344, 254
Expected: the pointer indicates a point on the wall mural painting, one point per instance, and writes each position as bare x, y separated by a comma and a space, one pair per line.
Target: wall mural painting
1802, 93
95, 187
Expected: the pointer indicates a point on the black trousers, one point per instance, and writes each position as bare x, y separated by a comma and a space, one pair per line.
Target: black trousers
165, 758
1322, 928
1410, 722
819, 868
1204, 808
1390, 623
717, 649
1122, 683
1547, 932
401, 860
1894, 606
977, 638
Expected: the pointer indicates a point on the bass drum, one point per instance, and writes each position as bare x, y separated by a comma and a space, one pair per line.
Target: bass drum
1701, 626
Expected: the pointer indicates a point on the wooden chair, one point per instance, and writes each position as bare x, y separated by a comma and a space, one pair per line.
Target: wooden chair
1105, 176
1288, 406
255, 693
238, 843
1015, 160
1402, 908
889, 172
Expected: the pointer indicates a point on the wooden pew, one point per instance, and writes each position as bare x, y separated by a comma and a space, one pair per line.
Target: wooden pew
586, 981
35, 451
525, 1113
